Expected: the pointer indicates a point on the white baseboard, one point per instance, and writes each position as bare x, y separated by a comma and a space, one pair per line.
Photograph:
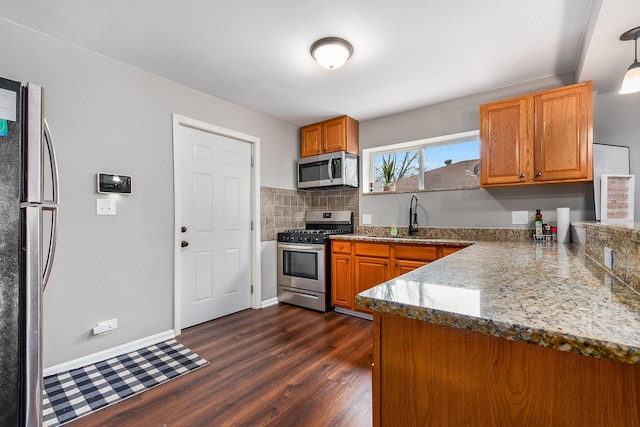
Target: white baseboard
272, 301
109, 353
353, 313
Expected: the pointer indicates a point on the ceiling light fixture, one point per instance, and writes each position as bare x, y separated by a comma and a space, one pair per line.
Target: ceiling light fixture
331, 52
631, 82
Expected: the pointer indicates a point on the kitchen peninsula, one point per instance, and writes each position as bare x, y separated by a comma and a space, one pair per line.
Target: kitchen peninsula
504, 334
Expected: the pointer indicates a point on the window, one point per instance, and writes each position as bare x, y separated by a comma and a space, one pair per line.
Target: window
449, 162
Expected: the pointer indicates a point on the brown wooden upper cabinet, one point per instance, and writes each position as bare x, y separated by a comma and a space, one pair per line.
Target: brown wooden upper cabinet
540, 138
339, 134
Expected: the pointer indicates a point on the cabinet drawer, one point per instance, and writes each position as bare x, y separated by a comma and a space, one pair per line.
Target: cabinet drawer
448, 250
417, 252
372, 249
340, 247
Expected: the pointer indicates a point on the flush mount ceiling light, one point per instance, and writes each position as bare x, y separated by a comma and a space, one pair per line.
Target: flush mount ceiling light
631, 82
331, 52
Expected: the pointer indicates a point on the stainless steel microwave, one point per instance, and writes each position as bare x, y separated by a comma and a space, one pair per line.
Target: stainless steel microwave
331, 170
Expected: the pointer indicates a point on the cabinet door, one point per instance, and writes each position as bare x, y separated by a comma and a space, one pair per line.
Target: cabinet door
311, 140
563, 134
403, 266
506, 129
334, 135
370, 272
342, 281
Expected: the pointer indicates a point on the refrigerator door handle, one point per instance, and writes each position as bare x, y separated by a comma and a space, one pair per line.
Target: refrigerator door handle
32, 367
52, 244
53, 162
51, 205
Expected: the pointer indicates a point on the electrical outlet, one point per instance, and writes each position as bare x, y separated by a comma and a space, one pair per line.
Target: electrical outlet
366, 219
609, 255
520, 217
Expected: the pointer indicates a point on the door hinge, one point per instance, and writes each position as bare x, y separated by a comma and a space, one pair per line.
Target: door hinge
252, 289
252, 160
251, 225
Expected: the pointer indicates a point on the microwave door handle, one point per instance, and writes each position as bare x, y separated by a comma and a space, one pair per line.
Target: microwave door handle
329, 168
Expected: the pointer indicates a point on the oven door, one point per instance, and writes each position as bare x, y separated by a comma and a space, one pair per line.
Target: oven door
302, 266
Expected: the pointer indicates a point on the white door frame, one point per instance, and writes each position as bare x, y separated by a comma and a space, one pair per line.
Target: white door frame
256, 280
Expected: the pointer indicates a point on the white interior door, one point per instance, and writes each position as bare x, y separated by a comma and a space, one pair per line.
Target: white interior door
215, 180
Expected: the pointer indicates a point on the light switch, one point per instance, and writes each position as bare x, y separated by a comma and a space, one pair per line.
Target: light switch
105, 206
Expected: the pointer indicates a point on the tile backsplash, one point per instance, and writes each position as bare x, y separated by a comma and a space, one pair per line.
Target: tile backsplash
282, 209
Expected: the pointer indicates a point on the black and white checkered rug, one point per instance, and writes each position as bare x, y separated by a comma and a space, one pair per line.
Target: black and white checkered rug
73, 394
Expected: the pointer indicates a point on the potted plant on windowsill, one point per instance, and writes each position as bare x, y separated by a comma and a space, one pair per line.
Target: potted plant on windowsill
388, 171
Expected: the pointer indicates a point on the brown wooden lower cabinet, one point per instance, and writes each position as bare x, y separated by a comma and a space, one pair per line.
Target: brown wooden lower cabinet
432, 375
359, 265
341, 272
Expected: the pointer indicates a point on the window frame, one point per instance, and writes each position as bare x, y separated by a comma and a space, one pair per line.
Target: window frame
369, 154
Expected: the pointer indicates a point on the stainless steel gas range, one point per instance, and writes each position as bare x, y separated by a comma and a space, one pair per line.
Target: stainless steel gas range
304, 259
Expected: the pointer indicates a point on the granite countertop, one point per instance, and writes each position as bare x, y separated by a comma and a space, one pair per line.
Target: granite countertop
401, 239
546, 294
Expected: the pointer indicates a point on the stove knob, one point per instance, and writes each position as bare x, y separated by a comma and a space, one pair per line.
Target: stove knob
301, 239
315, 239
291, 238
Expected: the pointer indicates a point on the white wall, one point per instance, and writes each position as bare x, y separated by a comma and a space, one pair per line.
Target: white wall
615, 122
108, 117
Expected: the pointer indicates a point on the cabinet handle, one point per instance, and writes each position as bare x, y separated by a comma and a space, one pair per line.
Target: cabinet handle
539, 174
521, 176
396, 265
385, 264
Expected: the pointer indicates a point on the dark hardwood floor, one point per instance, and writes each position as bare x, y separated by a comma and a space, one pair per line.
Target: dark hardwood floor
278, 366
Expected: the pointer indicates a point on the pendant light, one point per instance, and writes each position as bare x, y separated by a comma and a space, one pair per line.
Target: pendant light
331, 52
631, 82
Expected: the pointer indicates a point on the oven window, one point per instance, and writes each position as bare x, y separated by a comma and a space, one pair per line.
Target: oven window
300, 264
315, 171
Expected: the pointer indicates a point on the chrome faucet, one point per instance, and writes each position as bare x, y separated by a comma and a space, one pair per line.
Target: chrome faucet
413, 216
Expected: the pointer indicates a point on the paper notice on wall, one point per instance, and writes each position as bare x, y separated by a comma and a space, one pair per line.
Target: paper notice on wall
607, 159
617, 198
8, 105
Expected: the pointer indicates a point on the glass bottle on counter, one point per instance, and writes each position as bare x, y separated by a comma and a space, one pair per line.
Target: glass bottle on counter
538, 223
394, 230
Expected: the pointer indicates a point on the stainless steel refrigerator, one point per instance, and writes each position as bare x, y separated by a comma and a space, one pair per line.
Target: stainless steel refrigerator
28, 228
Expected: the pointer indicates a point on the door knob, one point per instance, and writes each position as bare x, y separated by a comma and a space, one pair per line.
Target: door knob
183, 229
184, 244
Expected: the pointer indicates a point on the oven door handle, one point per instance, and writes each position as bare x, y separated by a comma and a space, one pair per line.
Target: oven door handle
319, 248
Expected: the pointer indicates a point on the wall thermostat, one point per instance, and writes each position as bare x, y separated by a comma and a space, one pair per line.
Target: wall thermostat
114, 183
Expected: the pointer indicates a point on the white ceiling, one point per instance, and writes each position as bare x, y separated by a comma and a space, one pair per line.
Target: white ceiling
407, 53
